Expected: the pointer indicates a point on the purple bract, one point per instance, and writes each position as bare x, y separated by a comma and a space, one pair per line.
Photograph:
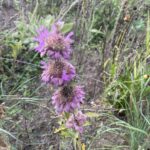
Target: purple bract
68, 98
54, 43
58, 72
76, 121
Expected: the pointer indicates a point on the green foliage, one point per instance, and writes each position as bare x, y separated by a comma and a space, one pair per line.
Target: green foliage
104, 20
16, 49
148, 35
26, 31
139, 25
18, 56
20, 45
128, 90
127, 84
67, 27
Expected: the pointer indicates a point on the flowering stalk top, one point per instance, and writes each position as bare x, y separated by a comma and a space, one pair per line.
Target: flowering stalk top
59, 72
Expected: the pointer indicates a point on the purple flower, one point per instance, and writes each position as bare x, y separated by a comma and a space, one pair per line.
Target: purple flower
54, 43
43, 33
68, 98
76, 121
57, 72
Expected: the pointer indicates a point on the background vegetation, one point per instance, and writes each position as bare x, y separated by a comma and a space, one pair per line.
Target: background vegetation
111, 53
